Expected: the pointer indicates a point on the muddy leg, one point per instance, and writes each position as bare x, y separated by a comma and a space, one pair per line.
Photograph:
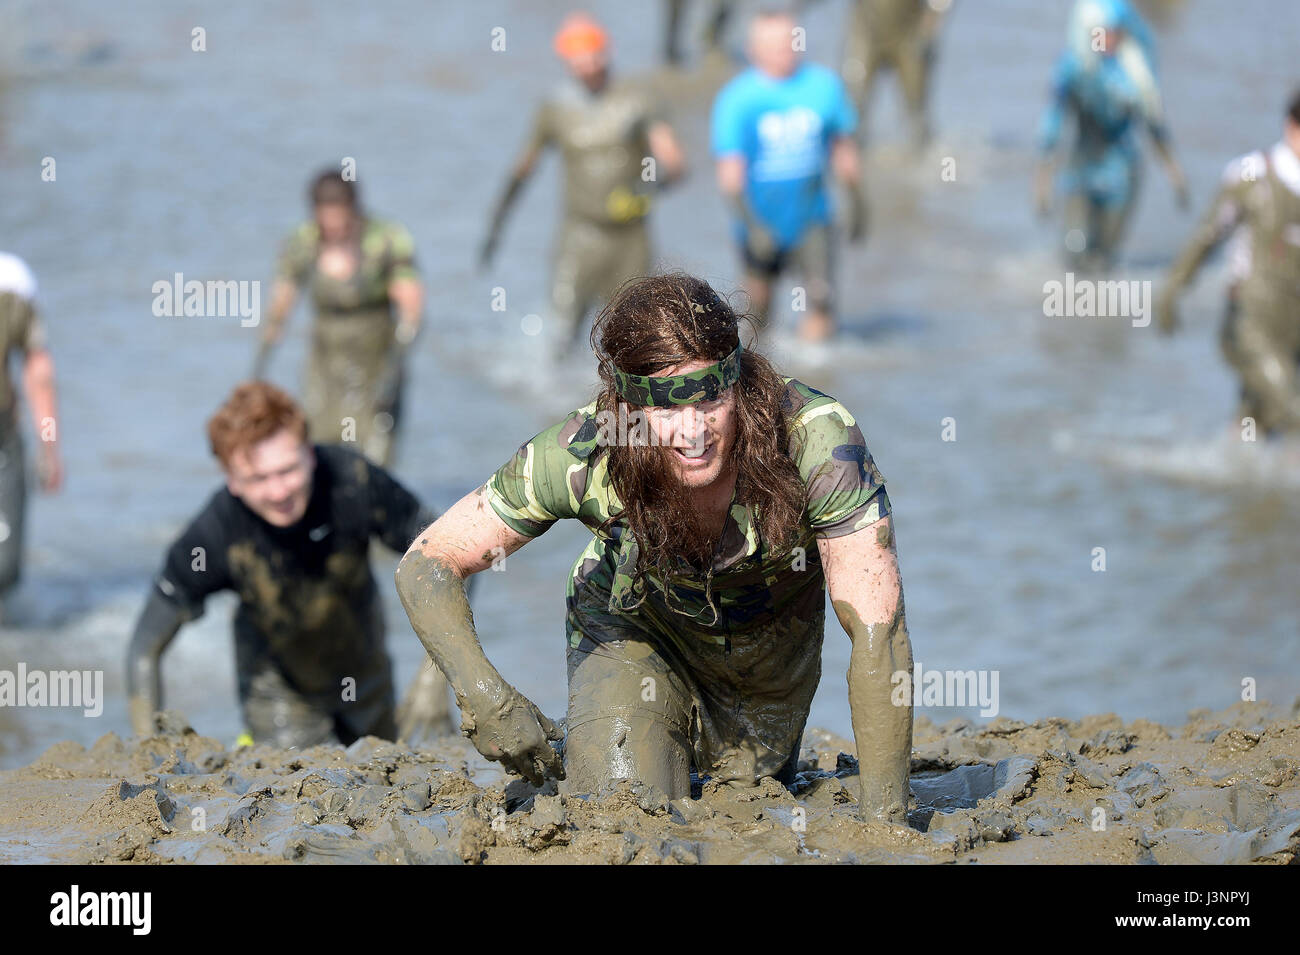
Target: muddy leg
1268, 376
628, 719
13, 506
912, 77
814, 261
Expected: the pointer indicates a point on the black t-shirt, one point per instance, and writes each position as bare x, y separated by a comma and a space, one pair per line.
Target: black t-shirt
308, 601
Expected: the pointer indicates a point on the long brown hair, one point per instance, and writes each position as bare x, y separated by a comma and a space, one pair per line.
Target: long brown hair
657, 322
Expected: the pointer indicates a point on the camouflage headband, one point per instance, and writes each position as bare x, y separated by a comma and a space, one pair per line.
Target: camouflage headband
703, 385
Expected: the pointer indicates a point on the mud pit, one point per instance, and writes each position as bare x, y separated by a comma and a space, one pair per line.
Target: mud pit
1224, 788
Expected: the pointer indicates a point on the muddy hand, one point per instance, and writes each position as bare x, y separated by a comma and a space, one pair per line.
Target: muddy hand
516, 734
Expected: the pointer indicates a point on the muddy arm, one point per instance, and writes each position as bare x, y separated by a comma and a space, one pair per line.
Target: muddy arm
523, 169
866, 592
1216, 225
502, 723
284, 295
1165, 151
156, 628
42, 400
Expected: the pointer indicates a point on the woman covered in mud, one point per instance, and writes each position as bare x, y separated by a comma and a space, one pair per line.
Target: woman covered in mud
368, 298
722, 499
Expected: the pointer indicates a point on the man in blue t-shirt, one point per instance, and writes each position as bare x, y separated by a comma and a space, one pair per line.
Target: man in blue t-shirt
777, 127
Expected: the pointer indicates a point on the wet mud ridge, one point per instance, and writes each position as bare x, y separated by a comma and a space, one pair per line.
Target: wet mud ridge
1224, 788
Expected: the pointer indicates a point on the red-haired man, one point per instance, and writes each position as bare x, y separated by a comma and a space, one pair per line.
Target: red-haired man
290, 533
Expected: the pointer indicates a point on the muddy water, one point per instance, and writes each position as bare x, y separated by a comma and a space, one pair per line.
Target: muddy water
1072, 434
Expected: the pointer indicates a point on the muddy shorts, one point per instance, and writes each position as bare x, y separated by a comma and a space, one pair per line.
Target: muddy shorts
651, 700
811, 259
276, 713
13, 504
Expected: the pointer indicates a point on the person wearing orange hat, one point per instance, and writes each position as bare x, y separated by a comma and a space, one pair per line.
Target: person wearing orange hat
617, 148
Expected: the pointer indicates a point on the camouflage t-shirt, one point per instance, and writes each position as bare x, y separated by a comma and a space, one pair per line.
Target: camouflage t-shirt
562, 473
387, 254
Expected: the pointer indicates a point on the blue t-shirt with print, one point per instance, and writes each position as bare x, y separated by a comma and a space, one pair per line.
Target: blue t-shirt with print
784, 128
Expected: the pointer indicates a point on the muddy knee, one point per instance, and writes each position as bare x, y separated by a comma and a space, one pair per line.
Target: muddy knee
628, 718
635, 747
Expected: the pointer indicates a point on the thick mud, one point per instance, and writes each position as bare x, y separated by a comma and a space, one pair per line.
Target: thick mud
1223, 788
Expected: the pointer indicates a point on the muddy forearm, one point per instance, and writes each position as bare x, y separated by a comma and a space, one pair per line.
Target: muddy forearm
158, 624
1213, 228
284, 295
504, 204
435, 600
882, 729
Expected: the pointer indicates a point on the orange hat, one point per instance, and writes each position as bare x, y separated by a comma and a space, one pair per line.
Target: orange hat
580, 34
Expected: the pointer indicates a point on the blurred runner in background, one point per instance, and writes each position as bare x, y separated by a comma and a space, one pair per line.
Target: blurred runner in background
715, 25
290, 533
618, 149
778, 129
1105, 81
20, 331
898, 35
368, 298
1259, 202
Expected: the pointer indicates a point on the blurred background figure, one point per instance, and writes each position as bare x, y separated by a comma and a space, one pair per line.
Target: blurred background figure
898, 35
779, 129
289, 533
20, 331
618, 149
1105, 81
1259, 204
715, 25
369, 301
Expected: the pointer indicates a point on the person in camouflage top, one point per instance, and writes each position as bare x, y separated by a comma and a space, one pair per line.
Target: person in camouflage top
366, 290
695, 616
